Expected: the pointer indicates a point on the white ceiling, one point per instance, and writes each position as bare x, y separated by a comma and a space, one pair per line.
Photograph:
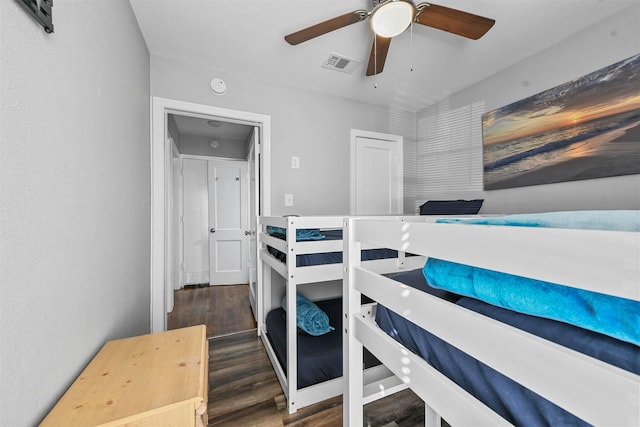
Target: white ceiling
221, 130
245, 37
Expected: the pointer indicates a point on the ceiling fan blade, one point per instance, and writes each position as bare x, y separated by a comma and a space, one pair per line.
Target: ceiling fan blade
378, 55
325, 27
453, 21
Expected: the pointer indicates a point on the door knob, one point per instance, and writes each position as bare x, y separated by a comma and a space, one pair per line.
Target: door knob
246, 233
212, 230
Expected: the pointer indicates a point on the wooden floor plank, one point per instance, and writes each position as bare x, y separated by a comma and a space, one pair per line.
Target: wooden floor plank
327, 413
263, 414
240, 375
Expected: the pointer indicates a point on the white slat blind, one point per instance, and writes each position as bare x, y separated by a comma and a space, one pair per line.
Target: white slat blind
449, 150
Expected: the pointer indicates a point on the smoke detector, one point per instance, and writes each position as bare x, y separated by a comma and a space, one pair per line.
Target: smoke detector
218, 86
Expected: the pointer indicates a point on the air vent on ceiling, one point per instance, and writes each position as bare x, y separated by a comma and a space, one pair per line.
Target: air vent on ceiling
341, 63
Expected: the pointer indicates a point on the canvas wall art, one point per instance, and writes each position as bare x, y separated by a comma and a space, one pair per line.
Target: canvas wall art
584, 129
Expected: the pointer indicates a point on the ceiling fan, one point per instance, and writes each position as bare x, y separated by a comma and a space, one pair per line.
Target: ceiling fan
389, 18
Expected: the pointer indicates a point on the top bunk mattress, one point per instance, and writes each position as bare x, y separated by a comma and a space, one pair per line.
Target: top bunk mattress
322, 258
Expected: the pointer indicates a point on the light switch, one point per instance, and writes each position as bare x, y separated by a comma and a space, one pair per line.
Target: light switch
295, 162
288, 199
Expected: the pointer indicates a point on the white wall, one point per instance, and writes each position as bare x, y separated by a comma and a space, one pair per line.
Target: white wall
195, 202
608, 42
74, 197
314, 127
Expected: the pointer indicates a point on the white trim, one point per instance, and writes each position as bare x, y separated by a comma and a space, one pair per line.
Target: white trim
253, 160
398, 140
159, 151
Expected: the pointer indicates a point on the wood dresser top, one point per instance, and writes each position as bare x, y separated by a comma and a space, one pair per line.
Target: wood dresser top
136, 376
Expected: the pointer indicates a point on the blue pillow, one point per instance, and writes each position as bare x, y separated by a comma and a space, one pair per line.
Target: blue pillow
451, 207
309, 317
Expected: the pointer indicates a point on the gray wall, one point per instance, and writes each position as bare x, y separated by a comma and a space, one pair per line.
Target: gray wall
74, 197
314, 127
610, 41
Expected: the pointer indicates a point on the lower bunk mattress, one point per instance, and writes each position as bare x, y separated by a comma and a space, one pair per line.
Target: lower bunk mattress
515, 403
319, 357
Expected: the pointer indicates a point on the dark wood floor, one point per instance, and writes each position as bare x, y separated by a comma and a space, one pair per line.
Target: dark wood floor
243, 388
223, 309
244, 391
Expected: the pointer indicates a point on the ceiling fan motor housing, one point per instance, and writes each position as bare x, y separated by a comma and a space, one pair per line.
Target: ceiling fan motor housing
390, 18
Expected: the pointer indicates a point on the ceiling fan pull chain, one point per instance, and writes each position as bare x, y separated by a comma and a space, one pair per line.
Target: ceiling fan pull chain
375, 60
411, 47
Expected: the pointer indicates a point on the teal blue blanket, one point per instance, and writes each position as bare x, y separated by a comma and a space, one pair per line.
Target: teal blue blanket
309, 317
302, 234
616, 317
620, 220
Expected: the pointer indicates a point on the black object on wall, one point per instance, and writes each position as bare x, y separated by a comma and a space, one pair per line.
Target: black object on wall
41, 11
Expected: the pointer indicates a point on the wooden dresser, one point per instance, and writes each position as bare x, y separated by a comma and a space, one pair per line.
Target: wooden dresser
146, 381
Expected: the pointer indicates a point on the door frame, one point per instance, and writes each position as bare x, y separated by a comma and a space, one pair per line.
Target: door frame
395, 139
253, 163
160, 151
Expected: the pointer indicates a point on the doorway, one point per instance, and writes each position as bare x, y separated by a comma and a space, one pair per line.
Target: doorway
162, 246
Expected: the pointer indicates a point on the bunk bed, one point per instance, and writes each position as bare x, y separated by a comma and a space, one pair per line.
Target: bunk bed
478, 357
309, 368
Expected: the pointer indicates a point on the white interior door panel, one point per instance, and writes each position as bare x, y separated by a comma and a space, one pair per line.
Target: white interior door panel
228, 222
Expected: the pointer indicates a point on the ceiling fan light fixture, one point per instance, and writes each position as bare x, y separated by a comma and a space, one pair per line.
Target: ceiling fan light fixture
391, 18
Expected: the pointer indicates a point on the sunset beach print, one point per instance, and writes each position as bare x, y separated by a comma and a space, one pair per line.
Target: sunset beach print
584, 129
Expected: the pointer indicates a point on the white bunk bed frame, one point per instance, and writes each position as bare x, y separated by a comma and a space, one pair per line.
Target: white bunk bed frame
600, 261
375, 377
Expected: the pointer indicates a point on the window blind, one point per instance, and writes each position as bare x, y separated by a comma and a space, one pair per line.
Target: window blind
449, 150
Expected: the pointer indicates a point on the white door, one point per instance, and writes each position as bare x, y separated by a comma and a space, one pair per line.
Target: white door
377, 174
228, 222
254, 212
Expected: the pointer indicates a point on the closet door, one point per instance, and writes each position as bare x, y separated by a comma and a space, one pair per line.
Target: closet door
377, 174
228, 222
